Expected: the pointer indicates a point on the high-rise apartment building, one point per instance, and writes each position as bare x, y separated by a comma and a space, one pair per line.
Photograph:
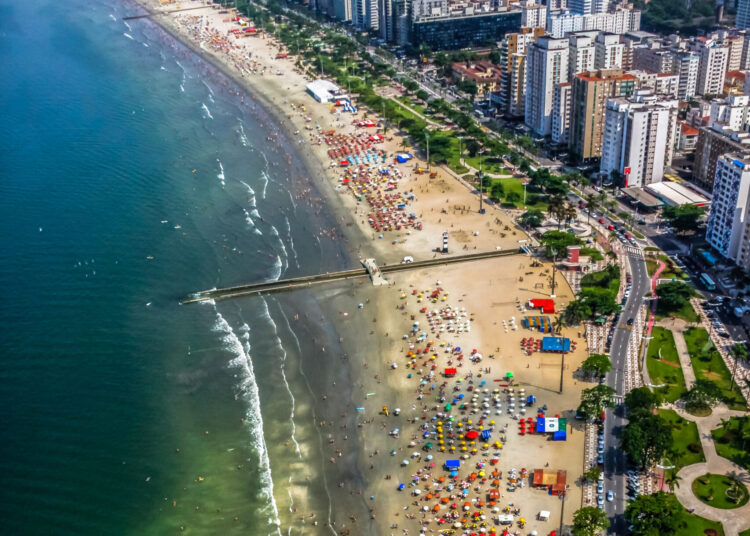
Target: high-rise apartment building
588, 7
589, 96
546, 65
713, 66
728, 229
639, 137
581, 52
533, 15
686, 65
609, 51
511, 100
713, 142
561, 114
622, 20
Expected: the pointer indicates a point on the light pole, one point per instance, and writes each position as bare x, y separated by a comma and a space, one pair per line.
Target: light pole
481, 181
554, 264
562, 509
525, 182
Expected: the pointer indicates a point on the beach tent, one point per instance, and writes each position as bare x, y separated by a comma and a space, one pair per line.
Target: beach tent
546, 305
450, 372
452, 464
560, 435
486, 434
555, 344
543, 515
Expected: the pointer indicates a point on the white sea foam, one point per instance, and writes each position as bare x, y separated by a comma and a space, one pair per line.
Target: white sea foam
221, 176
163, 68
283, 354
277, 269
265, 178
182, 88
251, 223
251, 199
210, 91
111, 16
145, 44
127, 26
285, 261
254, 418
205, 109
243, 137
128, 36
291, 240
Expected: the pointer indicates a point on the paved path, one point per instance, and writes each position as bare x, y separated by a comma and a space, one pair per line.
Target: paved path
678, 326
736, 520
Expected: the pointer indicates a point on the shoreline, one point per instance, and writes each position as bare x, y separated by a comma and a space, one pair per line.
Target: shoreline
443, 205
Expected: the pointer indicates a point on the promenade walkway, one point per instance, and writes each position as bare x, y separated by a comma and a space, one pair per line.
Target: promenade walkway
736, 520
678, 327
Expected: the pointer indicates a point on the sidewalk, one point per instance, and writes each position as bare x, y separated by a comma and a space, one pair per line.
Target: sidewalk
678, 326
736, 520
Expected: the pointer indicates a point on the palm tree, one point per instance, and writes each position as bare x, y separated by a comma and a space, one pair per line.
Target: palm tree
558, 324
405, 143
591, 204
672, 480
570, 212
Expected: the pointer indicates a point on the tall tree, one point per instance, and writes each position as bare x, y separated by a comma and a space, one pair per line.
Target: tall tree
642, 399
654, 515
646, 439
594, 400
672, 480
589, 521
596, 365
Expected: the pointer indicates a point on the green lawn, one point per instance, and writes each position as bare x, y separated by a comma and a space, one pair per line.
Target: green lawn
593, 253
691, 524
687, 446
670, 272
515, 185
729, 442
712, 489
709, 365
687, 313
662, 345
490, 165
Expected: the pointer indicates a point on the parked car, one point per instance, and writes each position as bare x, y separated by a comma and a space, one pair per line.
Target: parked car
610, 495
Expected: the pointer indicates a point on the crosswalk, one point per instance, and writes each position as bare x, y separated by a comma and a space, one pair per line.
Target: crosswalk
634, 251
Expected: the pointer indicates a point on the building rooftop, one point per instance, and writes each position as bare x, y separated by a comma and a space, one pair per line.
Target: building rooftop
687, 130
672, 193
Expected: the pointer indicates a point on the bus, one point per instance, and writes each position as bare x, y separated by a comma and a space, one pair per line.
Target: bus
708, 282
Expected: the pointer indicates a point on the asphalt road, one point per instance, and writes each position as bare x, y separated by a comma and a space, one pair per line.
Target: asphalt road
615, 463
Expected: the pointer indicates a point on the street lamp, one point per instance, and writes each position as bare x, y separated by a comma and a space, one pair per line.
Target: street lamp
427, 137
481, 181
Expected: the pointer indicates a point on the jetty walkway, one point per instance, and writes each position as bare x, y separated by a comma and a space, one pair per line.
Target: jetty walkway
376, 273
164, 12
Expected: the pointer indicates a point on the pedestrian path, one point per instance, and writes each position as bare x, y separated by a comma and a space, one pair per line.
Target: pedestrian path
736, 520
678, 327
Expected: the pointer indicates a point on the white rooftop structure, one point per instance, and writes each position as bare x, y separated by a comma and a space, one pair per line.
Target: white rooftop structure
673, 193
324, 90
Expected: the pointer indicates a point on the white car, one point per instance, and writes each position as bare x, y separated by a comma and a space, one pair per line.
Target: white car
610, 496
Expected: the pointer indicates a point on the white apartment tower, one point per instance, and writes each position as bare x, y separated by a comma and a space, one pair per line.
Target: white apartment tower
581, 53
546, 65
561, 113
639, 137
686, 67
533, 15
588, 7
727, 229
609, 51
713, 67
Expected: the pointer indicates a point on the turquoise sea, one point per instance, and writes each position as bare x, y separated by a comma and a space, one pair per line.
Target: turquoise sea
131, 173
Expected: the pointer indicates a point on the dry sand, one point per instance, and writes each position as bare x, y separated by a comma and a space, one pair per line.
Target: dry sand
487, 289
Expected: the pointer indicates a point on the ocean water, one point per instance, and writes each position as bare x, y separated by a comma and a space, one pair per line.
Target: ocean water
131, 173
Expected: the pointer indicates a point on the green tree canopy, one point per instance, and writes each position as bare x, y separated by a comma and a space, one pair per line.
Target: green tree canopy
576, 312
532, 218
683, 218
596, 365
601, 301
589, 521
703, 394
654, 515
593, 473
594, 400
642, 399
673, 295
558, 241
646, 439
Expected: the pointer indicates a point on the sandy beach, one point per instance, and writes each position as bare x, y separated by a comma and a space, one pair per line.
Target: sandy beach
487, 300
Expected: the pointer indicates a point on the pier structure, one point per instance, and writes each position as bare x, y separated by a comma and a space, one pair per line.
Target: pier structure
371, 269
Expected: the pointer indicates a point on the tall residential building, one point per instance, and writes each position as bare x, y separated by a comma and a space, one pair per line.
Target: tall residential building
561, 114
533, 15
713, 142
513, 71
743, 14
546, 65
633, 40
608, 51
658, 83
686, 68
401, 22
639, 137
385, 20
622, 20
588, 7
581, 52
455, 30
588, 102
728, 229
371, 19
732, 112
712, 68
342, 10
652, 57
